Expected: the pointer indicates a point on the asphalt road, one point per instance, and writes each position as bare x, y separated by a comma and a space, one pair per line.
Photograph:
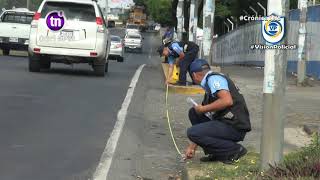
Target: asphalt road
55, 124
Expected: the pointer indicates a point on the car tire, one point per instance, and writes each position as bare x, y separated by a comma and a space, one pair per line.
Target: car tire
120, 59
34, 63
6, 52
99, 70
106, 68
44, 64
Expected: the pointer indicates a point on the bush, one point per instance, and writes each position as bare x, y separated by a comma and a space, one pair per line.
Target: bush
304, 164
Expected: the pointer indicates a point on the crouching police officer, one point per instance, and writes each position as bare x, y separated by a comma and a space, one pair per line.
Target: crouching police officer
187, 52
229, 119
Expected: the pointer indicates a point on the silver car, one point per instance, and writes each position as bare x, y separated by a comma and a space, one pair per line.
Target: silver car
133, 41
116, 49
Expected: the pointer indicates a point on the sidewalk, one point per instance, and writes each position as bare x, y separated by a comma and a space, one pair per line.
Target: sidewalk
302, 108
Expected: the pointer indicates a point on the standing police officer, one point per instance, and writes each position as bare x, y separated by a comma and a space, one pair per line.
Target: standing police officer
217, 135
187, 52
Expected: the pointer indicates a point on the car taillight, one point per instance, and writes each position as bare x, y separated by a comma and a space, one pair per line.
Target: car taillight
37, 16
93, 54
119, 46
37, 50
99, 21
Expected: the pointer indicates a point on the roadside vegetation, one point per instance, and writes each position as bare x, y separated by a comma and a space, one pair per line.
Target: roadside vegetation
303, 164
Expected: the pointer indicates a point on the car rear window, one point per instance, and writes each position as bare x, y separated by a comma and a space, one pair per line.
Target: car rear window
132, 27
115, 39
13, 17
72, 11
133, 36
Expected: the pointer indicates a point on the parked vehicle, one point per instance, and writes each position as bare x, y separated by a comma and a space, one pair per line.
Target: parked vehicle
69, 31
133, 41
116, 49
14, 29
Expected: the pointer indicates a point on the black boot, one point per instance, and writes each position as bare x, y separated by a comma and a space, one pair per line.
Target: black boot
231, 159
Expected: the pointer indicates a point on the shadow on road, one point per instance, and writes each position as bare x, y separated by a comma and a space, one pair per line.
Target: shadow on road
70, 72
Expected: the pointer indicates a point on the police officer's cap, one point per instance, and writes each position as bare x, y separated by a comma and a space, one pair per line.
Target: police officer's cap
199, 65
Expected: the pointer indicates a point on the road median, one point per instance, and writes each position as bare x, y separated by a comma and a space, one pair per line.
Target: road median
187, 90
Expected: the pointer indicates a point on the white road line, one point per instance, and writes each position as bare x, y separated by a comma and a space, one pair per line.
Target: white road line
150, 53
102, 170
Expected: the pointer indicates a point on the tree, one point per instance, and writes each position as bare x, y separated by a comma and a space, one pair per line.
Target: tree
140, 2
3, 4
158, 10
35, 4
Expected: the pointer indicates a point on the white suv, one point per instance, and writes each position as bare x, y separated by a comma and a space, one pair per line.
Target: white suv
69, 31
14, 29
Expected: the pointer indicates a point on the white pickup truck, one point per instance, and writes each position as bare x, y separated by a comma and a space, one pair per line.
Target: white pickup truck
133, 41
15, 29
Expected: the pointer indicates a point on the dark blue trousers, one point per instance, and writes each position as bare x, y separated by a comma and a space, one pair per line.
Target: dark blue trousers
185, 63
215, 137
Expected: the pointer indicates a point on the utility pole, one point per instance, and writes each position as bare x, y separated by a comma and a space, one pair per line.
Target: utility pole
195, 21
28, 4
273, 95
191, 19
208, 18
106, 11
193, 25
303, 6
180, 18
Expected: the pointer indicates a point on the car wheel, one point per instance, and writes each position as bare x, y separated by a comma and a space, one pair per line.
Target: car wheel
99, 70
106, 67
120, 59
44, 64
34, 63
6, 52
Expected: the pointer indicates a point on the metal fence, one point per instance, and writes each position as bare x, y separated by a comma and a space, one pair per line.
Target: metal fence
234, 47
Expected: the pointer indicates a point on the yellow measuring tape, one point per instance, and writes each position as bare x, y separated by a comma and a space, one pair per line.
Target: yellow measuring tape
168, 117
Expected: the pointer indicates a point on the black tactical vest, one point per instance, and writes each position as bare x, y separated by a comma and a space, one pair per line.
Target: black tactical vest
186, 46
237, 115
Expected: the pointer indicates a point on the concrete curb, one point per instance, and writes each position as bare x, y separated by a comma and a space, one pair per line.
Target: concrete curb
188, 90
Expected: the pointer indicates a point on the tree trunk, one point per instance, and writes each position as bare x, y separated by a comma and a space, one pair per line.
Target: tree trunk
174, 13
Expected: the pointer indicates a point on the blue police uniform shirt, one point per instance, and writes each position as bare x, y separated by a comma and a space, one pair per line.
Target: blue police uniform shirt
171, 60
215, 83
175, 46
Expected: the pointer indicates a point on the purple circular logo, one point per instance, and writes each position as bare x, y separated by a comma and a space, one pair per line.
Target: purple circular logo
55, 20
